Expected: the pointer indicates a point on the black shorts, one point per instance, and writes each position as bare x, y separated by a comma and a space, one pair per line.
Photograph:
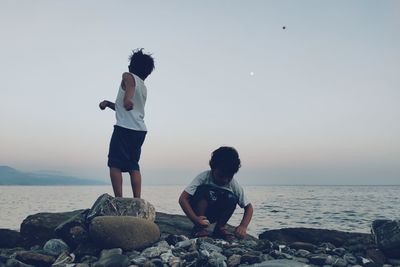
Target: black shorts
219, 200
125, 149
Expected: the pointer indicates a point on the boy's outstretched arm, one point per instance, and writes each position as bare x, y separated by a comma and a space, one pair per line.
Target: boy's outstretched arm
241, 230
187, 208
106, 104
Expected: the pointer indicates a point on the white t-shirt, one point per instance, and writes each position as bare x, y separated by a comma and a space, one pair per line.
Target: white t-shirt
206, 178
134, 118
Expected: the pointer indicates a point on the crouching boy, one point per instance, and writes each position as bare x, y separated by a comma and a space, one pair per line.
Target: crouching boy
212, 197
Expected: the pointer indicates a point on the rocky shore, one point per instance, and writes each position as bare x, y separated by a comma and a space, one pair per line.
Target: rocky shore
129, 232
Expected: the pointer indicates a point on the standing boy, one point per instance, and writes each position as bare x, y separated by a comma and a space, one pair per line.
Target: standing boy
212, 197
130, 130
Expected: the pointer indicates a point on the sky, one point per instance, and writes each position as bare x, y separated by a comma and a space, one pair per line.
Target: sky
306, 91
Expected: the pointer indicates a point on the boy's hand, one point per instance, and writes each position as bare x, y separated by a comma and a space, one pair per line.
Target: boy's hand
103, 104
128, 104
240, 231
202, 220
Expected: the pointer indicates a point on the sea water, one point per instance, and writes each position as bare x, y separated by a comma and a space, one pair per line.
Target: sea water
344, 208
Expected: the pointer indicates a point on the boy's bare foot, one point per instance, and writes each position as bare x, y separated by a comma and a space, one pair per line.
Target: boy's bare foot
199, 231
221, 232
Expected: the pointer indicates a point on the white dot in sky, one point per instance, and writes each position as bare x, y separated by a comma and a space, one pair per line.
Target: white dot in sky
251, 73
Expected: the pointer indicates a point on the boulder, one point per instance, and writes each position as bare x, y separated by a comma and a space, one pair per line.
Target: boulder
107, 205
317, 236
126, 232
387, 236
9, 238
36, 229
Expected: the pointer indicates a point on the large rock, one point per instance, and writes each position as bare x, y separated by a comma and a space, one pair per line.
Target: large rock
36, 229
107, 205
387, 236
9, 238
317, 236
126, 232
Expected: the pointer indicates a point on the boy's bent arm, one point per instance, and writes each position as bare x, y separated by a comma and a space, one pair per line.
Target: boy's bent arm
129, 87
242, 228
187, 208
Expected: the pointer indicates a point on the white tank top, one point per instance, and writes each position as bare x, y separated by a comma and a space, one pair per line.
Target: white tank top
132, 119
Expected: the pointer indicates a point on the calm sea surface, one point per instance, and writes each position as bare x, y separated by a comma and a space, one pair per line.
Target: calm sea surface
345, 208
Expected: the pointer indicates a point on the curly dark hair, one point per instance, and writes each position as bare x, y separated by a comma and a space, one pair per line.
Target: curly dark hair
141, 64
226, 159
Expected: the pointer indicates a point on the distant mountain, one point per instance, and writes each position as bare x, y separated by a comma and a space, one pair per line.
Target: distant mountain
11, 176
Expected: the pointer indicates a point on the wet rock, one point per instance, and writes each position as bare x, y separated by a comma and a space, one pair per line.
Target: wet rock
55, 247
36, 229
107, 205
315, 236
36, 259
387, 236
125, 232
9, 238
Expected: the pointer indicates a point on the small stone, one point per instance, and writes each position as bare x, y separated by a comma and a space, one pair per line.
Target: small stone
339, 251
138, 260
191, 256
64, 259
340, 263
153, 252
184, 244
319, 259
16, 263
302, 253
234, 260
108, 252
113, 260
210, 247
350, 259
36, 259
250, 259
55, 247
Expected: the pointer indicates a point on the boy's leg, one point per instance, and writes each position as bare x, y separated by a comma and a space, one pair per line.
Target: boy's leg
200, 204
116, 181
226, 205
136, 183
